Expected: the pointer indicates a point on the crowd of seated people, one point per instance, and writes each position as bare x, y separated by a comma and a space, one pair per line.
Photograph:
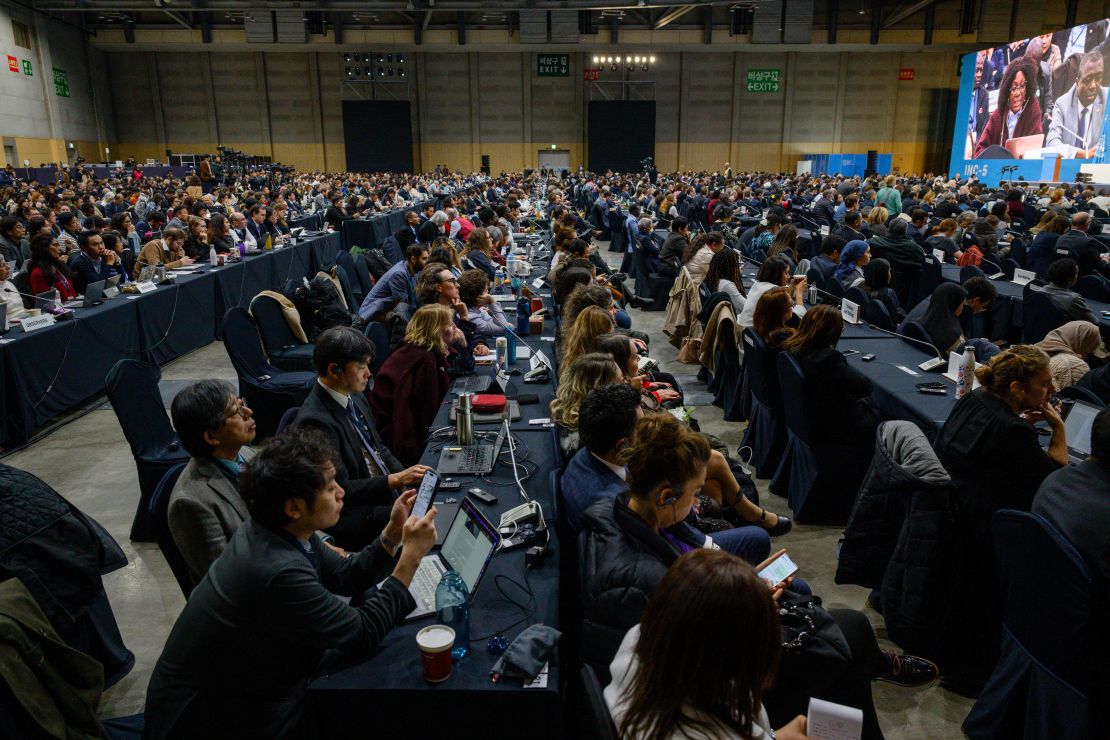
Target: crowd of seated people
670, 530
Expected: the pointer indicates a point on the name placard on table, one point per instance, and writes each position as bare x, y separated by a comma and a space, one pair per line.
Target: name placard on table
37, 322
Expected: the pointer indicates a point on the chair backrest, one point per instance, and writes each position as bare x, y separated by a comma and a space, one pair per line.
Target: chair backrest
1018, 251
272, 325
345, 283
362, 274
598, 723
132, 387
158, 507
931, 276
759, 364
343, 259
1009, 266
793, 385
1045, 580
971, 271
857, 296
377, 333
22, 282
286, 419
835, 287
914, 330
244, 346
1040, 315
874, 312
1080, 393
1093, 287
392, 250
816, 277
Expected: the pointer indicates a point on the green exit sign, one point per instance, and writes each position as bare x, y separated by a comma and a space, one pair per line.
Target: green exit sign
61, 83
553, 65
763, 80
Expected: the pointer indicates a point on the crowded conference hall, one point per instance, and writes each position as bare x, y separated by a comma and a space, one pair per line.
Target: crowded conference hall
600, 371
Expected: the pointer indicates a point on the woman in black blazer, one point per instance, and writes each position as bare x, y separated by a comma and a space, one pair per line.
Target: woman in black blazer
835, 393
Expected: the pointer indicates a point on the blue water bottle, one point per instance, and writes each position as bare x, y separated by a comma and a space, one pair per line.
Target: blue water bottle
453, 610
510, 338
523, 312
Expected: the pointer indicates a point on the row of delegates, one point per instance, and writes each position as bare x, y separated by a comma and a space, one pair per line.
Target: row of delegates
630, 541
275, 601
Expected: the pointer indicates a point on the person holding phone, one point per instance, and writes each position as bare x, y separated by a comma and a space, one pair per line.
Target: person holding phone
261, 622
773, 273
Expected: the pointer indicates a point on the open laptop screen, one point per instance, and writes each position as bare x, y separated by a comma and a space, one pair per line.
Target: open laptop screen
1078, 428
469, 544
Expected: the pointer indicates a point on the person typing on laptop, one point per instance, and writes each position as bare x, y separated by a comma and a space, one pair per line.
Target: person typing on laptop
365, 467
93, 263
269, 611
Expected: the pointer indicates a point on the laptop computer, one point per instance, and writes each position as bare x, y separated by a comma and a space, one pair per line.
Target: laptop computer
472, 384
93, 294
471, 459
45, 301
1077, 427
470, 544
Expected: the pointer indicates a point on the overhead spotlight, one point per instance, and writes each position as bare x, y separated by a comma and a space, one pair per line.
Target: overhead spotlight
401, 72
628, 60
400, 58
369, 71
347, 58
365, 58
652, 60
595, 60
380, 58
381, 72
645, 67
358, 71
348, 71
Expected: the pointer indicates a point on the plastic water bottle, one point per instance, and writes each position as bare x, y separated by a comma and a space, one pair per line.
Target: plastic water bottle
510, 340
965, 376
453, 610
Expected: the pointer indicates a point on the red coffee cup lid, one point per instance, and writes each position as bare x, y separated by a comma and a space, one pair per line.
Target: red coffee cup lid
435, 638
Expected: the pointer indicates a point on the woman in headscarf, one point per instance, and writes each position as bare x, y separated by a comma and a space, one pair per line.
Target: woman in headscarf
940, 317
1018, 113
1068, 349
853, 258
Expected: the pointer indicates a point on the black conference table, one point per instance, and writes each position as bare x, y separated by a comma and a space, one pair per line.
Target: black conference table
371, 233
45, 373
388, 691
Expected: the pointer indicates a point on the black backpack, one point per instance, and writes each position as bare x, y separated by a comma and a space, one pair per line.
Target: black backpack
376, 262
318, 305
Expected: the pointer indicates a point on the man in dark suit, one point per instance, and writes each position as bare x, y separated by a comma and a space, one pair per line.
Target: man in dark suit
409, 233
93, 263
205, 507
263, 619
824, 208
1086, 250
1076, 500
364, 466
255, 223
980, 109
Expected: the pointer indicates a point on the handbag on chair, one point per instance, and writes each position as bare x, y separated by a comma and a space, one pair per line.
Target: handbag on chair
690, 350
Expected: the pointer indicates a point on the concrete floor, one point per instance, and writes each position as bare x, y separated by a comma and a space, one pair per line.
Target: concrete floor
147, 600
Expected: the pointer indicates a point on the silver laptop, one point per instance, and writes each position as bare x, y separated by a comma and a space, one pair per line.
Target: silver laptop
1077, 427
472, 459
470, 544
93, 294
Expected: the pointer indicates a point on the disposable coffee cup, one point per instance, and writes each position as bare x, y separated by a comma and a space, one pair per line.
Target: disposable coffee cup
435, 642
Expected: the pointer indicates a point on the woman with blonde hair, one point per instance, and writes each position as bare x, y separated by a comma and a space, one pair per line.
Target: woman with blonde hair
479, 251
588, 371
591, 323
876, 219
1068, 349
411, 384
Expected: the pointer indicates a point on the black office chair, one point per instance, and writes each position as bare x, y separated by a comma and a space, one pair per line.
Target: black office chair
132, 388
1010, 266
268, 391
377, 333
914, 330
287, 418
766, 432
1040, 315
362, 274
835, 287
597, 723
857, 296
971, 271
284, 349
875, 313
570, 578
354, 287
1093, 287
158, 511
818, 477
816, 277
1080, 393
930, 277
651, 285
344, 280
391, 248
1042, 674
1018, 251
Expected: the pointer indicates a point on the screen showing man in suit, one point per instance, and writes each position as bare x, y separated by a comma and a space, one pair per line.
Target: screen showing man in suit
1038, 97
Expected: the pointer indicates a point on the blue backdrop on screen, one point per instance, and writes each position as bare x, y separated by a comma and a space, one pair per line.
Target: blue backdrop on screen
1024, 105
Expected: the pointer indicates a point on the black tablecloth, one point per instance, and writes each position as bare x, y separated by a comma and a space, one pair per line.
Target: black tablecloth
894, 392
310, 221
388, 691
370, 233
52, 370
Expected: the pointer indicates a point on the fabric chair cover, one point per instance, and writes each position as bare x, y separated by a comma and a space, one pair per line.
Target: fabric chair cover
857, 296
1052, 626
159, 517
727, 375
1093, 287
132, 388
966, 273
766, 432
287, 418
929, 280
377, 333
1010, 266
283, 347
1040, 315
392, 250
1082, 394
354, 286
598, 723
914, 330
1018, 250
835, 287
362, 274
875, 313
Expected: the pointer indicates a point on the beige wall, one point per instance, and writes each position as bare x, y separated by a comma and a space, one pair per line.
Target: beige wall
289, 106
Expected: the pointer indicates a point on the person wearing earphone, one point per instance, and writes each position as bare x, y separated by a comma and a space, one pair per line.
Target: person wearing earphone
368, 471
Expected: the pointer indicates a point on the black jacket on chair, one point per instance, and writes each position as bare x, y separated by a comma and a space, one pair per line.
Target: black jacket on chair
320, 411
834, 398
1087, 251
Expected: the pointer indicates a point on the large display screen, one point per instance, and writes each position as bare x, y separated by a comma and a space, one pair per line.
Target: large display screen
1034, 108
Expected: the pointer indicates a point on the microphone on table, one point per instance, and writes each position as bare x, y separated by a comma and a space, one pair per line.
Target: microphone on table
933, 364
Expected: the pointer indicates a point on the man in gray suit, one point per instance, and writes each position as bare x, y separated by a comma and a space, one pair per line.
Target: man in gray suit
205, 507
1077, 114
1062, 275
269, 614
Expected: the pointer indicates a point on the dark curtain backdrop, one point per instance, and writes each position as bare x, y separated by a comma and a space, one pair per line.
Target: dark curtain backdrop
621, 134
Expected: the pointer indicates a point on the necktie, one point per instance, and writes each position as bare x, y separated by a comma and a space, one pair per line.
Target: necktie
1079, 140
363, 430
